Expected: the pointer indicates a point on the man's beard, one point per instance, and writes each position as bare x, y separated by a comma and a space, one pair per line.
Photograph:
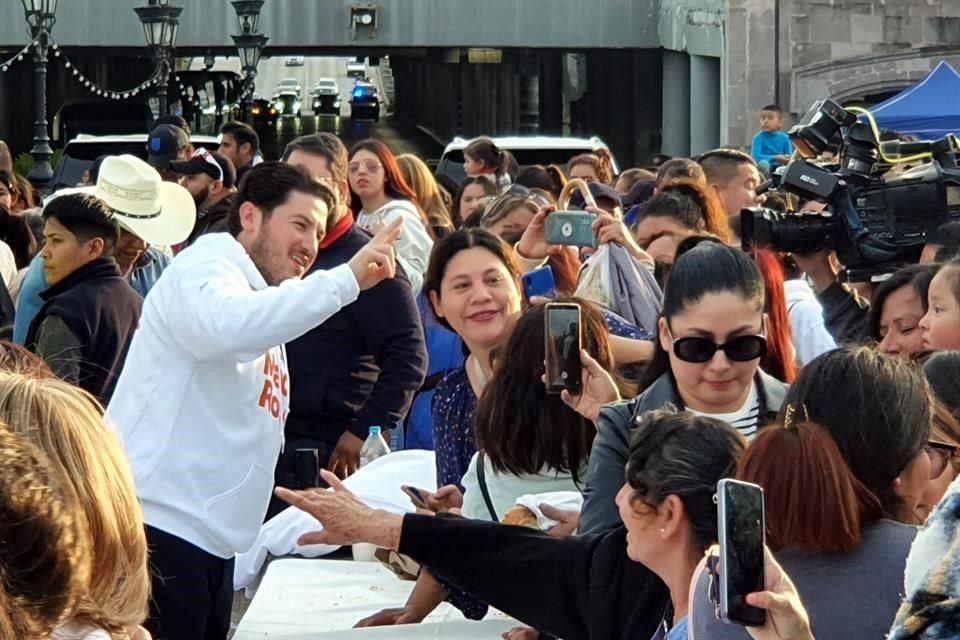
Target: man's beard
265, 259
201, 198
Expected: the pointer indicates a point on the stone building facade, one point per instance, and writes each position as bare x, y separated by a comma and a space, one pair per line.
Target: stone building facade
850, 50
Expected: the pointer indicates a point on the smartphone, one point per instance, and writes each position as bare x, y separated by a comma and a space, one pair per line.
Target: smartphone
572, 228
539, 282
416, 496
563, 343
742, 530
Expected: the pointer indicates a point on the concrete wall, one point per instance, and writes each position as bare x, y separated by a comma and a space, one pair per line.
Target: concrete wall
403, 23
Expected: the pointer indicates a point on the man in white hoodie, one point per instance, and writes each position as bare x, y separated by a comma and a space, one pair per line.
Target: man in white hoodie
202, 400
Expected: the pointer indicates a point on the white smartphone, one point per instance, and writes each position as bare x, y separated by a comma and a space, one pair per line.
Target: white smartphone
742, 533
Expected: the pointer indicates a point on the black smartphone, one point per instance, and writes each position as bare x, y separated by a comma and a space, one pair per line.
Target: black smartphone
563, 343
742, 530
416, 496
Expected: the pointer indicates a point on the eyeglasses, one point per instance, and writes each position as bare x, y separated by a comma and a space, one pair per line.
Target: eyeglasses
203, 153
940, 455
699, 350
372, 166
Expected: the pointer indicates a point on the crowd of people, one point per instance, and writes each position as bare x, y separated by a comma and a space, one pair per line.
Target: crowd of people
180, 329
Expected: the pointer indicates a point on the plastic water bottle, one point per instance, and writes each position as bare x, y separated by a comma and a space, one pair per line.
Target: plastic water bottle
374, 447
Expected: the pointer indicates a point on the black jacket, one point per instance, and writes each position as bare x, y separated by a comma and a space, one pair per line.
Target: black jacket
845, 314
102, 311
577, 588
608, 457
211, 220
361, 367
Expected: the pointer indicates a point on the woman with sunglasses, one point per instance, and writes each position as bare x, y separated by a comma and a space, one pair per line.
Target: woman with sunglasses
942, 371
706, 359
630, 583
376, 181
843, 471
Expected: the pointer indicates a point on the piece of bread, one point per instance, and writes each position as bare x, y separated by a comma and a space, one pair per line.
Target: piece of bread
521, 516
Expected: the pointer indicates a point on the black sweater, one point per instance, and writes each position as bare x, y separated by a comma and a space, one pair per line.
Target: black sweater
578, 588
102, 311
361, 367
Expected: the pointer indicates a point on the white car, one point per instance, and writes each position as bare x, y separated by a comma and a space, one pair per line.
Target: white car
356, 69
528, 150
289, 84
294, 61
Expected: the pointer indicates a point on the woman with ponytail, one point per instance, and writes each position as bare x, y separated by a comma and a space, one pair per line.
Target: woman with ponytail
483, 157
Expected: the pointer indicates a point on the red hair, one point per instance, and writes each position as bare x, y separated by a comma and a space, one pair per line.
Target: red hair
566, 272
779, 359
395, 184
814, 502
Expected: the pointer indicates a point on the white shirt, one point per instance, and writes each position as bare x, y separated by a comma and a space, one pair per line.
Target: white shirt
505, 488
8, 265
746, 419
74, 632
202, 399
809, 334
414, 245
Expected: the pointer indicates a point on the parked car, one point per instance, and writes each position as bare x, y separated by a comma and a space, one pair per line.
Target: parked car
364, 102
287, 103
289, 84
264, 113
326, 97
528, 151
294, 61
81, 151
356, 69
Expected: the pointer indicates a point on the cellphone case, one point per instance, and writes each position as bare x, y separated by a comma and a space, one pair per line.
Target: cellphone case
572, 228
539, 282
722, 506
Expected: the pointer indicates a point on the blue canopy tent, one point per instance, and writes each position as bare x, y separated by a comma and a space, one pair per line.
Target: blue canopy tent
928, 110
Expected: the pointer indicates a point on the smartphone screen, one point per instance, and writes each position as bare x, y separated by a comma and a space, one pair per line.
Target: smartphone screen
416, 496
742, 527
563, 344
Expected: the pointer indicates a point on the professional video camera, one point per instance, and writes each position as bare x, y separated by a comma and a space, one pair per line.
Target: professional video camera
876, 223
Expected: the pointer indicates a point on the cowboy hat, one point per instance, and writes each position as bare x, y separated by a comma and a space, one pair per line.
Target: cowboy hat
160, 213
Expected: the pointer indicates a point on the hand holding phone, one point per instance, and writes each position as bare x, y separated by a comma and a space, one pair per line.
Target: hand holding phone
742, 527
417, 496
563, 342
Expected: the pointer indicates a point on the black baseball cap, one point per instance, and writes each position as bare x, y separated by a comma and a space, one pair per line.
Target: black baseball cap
212, 163
164, 145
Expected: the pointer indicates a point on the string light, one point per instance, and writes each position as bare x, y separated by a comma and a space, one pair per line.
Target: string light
17, 57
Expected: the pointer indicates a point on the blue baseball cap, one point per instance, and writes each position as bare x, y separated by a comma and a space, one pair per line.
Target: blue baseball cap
164, 145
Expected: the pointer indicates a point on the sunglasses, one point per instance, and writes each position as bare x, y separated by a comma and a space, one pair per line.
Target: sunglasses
940, 455
372, 166
523, 192
699, 350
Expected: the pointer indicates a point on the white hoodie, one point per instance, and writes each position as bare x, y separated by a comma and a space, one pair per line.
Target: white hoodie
414, 244
201, 402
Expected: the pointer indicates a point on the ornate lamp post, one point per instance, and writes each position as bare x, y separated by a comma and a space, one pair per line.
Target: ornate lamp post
250, 43
160, 26
41, 17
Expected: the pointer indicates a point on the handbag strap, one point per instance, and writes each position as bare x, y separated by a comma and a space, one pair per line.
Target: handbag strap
482, 479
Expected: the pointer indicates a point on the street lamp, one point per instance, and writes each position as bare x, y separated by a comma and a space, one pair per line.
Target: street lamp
250, 42
41, 16
160, 26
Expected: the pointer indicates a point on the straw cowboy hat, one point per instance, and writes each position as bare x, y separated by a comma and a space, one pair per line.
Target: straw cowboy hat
160, 213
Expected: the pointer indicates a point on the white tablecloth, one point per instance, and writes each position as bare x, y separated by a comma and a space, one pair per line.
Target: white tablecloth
323, 599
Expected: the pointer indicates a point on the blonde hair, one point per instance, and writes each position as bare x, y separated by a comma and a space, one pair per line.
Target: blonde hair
417, 175
45, 564
67, 424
